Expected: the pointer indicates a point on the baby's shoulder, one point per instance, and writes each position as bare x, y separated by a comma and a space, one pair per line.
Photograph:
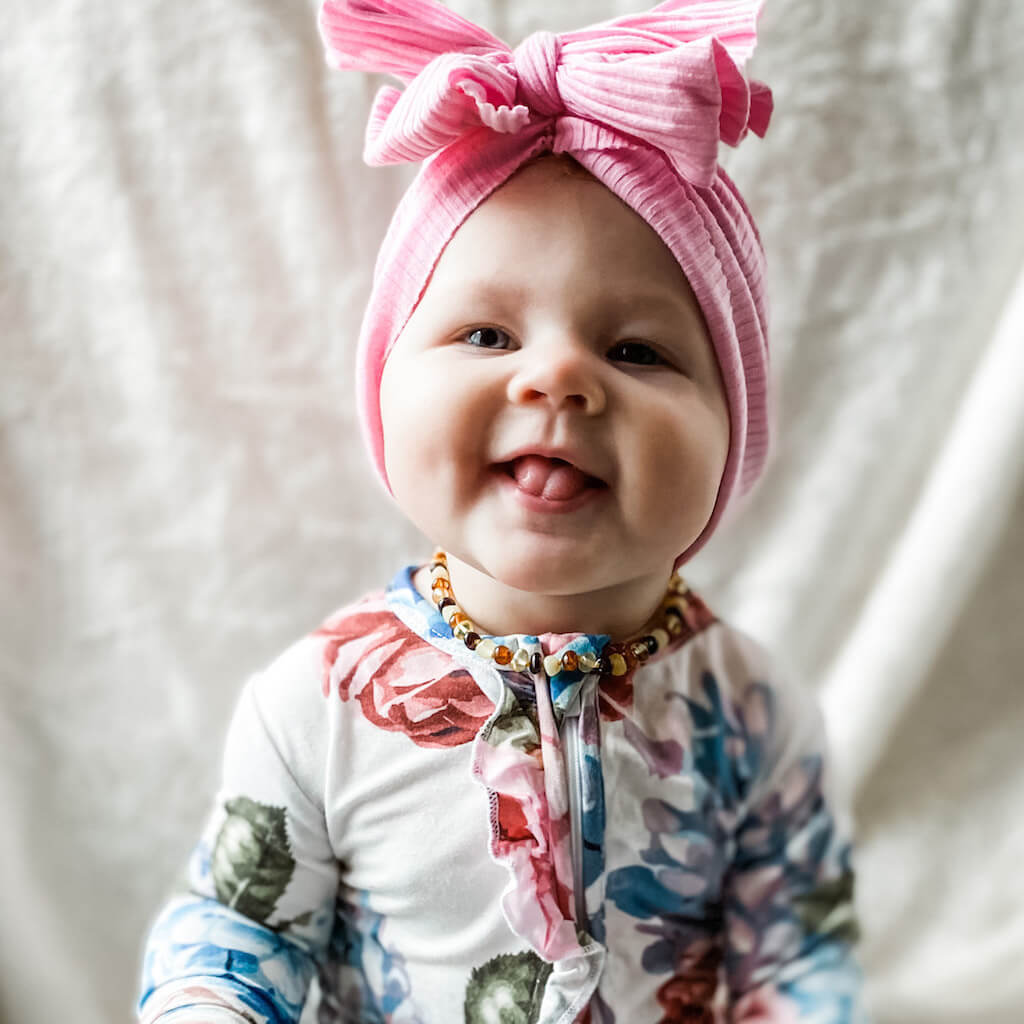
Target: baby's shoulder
292, 687
718, 652
745, 721
728, 676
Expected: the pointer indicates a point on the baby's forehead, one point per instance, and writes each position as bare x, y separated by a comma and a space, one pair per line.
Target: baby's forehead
626, 294
543, 224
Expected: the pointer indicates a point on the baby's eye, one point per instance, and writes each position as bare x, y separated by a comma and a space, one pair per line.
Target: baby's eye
635, 352
488, 337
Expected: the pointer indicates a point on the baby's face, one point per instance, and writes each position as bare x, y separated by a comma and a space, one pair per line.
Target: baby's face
553, 413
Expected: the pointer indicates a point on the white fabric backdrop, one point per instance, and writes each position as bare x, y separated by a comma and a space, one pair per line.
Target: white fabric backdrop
186, 238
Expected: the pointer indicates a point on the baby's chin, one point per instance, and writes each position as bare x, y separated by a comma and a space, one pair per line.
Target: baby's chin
547, 568
543, 565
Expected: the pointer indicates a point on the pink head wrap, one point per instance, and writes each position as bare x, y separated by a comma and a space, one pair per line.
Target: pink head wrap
641, 102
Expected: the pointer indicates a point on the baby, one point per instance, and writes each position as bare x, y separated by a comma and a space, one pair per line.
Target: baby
536, 779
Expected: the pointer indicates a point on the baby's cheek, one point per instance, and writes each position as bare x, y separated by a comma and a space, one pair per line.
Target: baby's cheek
402, 412
689, 457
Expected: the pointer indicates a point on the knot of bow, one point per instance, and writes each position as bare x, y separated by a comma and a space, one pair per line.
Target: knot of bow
671, 78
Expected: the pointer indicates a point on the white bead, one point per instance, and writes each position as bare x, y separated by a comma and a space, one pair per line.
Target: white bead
552, 664
521, 660
485, 648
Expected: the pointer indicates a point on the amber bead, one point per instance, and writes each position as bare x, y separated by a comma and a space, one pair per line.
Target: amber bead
552, 665
471, 640
536, 663
639, 650
502, 654
445, 603
618, 664
570, 661
439, 583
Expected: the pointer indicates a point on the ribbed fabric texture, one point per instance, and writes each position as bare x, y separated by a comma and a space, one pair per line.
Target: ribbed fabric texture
641, 102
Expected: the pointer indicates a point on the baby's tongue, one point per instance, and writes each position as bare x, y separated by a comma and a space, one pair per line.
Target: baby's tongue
557, 481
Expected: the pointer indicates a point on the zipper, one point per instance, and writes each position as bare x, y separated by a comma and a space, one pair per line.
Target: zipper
569, 734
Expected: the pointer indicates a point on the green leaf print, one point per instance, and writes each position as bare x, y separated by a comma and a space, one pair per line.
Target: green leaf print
828, 909
507, 990
514, 724
252, 861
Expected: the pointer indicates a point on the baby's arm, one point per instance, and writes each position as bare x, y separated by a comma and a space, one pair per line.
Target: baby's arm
243, 944
789, 924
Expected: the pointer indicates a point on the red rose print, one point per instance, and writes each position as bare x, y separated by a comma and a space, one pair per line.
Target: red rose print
401, 682
688, 996
615, 696
512, 824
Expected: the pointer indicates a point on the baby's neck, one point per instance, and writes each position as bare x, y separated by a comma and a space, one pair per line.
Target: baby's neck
496, 609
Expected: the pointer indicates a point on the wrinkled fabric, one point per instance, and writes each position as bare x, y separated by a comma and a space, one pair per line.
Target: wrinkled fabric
188, 231
672, 78
396, 816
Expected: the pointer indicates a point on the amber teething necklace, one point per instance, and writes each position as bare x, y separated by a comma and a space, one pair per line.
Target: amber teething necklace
617, 659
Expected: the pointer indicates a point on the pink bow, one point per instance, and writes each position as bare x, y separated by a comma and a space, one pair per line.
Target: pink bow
670, 77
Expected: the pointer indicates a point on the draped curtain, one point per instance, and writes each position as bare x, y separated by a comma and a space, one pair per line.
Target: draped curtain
186, 240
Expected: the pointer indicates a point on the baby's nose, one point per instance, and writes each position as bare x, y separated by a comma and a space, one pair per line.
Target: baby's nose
566, 376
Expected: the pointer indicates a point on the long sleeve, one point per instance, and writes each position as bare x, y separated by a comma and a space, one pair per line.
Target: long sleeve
243, 942
788, 911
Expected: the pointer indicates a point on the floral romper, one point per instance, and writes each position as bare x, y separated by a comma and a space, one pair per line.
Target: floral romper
436, 839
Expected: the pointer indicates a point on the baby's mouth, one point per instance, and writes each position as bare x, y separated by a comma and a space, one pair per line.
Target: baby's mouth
549, 478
